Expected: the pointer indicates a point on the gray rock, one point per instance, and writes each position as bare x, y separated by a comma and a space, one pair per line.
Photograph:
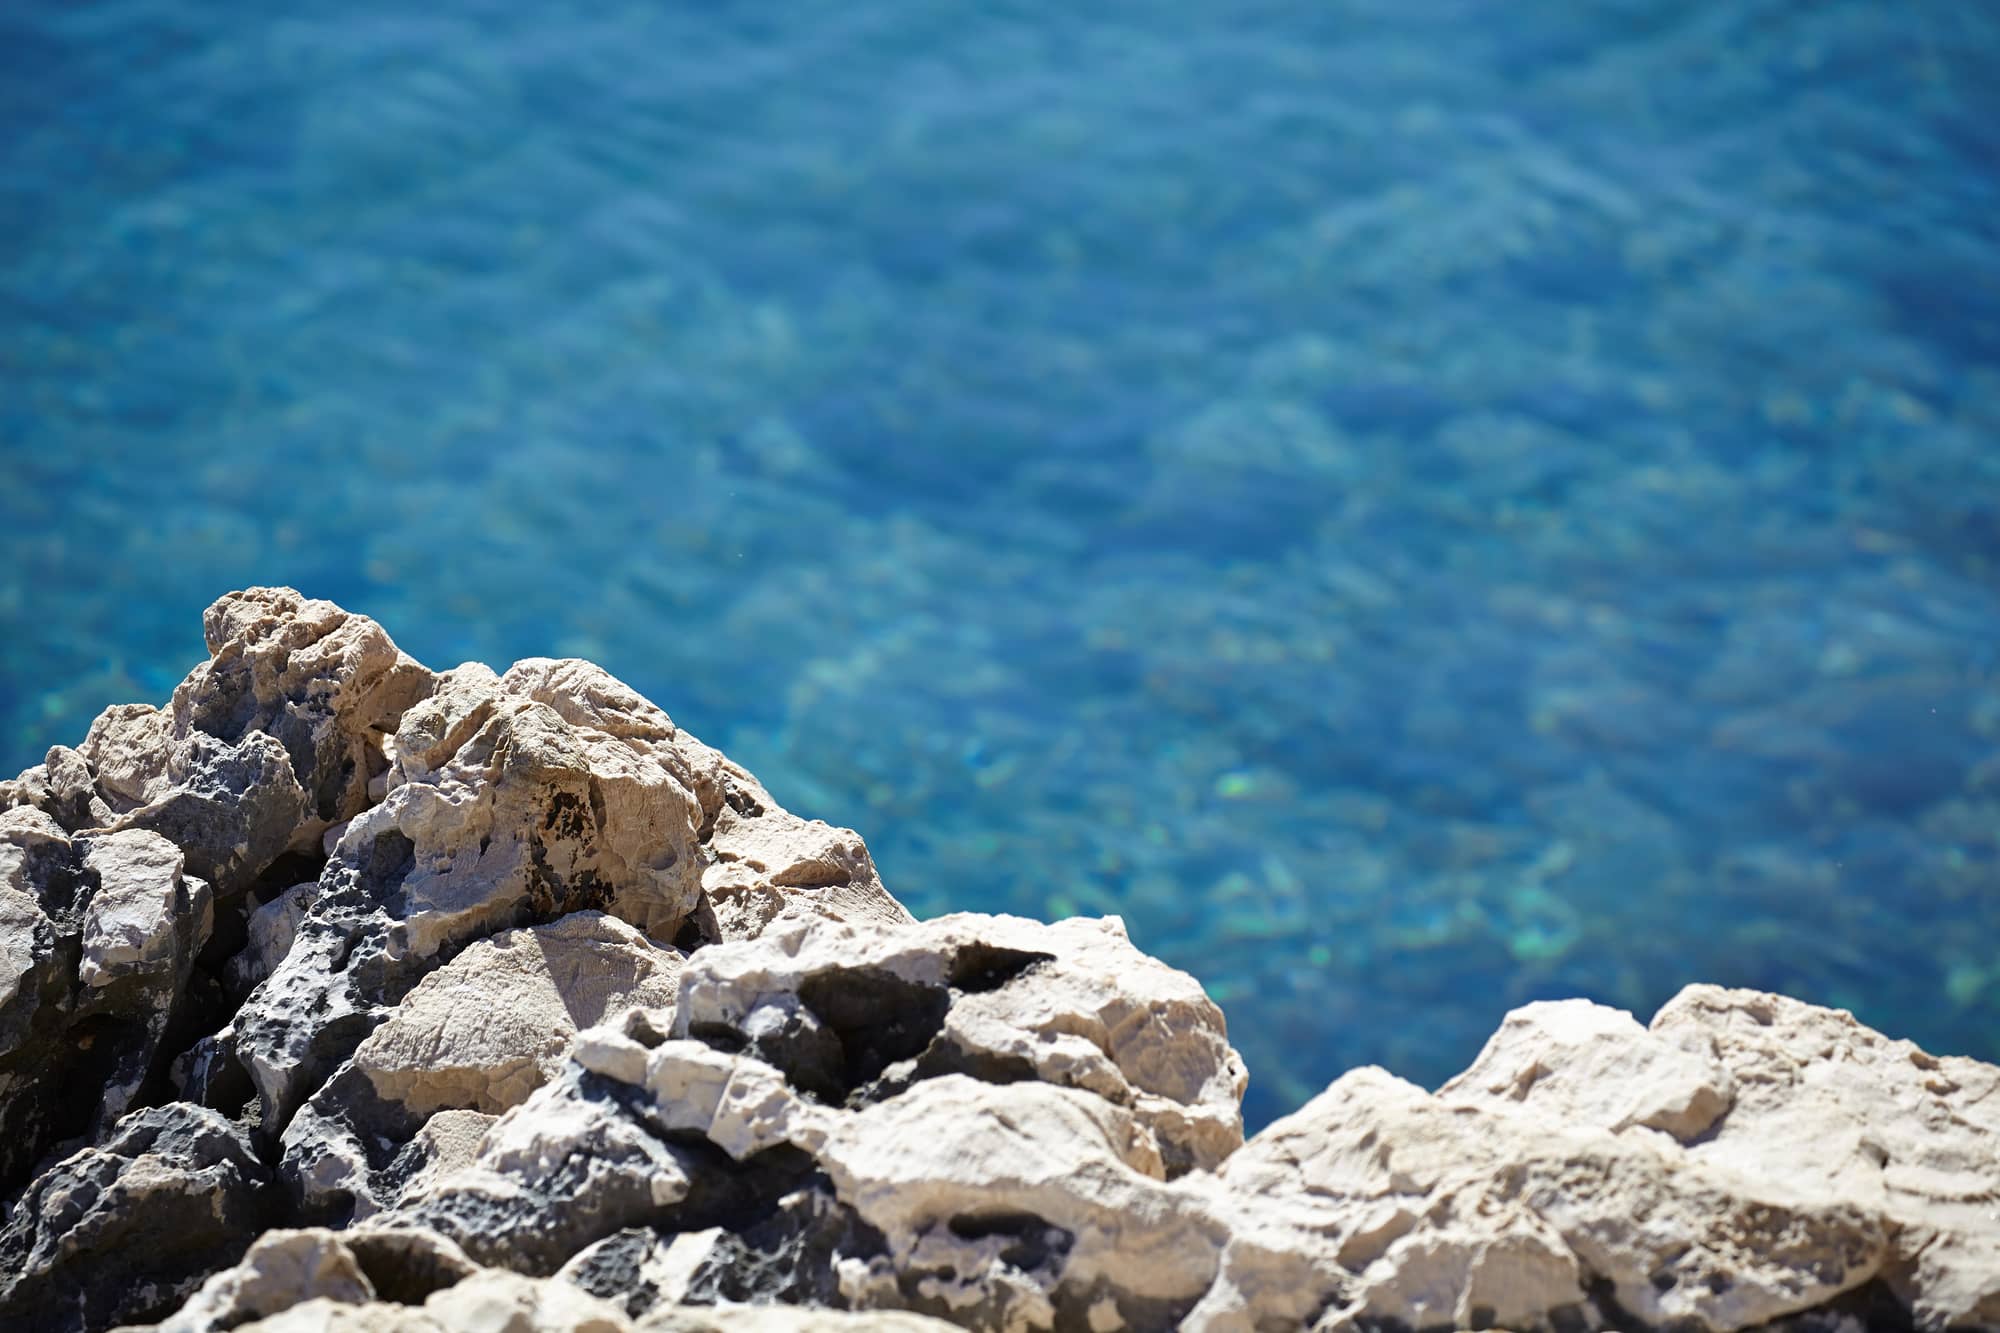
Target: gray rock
99, 934
125, 1231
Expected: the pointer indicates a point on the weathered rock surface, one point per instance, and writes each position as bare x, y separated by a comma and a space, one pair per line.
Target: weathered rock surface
497, 1001
98, 939
494, 1024
125, 1231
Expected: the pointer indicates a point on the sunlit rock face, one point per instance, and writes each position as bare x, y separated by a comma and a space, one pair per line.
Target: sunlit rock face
346, 994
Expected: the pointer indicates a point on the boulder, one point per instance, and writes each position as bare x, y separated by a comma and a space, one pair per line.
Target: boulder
858, 1012
125, 1231
263, 747
288, 1268
99, 934
496, 1022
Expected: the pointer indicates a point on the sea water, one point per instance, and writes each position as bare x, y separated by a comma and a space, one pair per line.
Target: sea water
1418, 505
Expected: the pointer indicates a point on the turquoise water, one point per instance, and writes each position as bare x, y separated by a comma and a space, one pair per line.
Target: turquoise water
1419, 505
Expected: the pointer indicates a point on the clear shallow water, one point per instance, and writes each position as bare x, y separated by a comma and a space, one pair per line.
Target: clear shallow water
1420, 506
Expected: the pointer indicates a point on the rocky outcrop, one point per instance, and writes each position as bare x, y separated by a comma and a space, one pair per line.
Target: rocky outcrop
342, 993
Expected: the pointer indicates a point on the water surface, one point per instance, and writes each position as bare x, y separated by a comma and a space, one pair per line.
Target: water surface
1419, 505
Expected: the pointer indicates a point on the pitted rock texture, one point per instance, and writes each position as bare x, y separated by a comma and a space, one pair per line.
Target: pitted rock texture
344, 994
123, 1232
99, 934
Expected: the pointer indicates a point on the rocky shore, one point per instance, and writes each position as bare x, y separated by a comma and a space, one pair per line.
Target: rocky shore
342, 993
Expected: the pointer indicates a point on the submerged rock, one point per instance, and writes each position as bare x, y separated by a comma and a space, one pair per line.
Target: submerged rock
496, 1000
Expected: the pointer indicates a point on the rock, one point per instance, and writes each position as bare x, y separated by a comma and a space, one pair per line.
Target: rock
1585, 1064
1377, 1202
492, 1025
99, 935
288, 1268
489, 1300
271, 928
480, 1034
1039, 1206
263, 746
578, 1161
145, 917
1911, 1137
513, 814
779, 1319
127, 1230
762, 860
411, 947
839, 1007
231, 807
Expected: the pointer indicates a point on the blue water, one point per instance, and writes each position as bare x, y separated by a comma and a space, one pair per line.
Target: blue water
1419, 504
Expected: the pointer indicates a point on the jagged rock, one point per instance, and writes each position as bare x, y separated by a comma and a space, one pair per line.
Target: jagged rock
579, 1160
450, 912
98, 937
509, 1303
1379, 1202
837, 1008
145, 917
1019, 1206
1585, 1064
761, 860
779, 1319
1913, 1138
492, 1025
270, 929
481, 1033
125, 1231
283, 1269
514, 813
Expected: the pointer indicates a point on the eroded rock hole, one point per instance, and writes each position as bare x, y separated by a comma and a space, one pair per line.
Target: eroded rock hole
878, 1018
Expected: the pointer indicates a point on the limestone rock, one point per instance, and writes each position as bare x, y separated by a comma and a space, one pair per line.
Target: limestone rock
492, 1025
488, 1300
125, 1231
98, 938
1912, 1137
1584, 1064
145, 916
839, 1007
1040, 1204
1381, 1202
263, 746
287, 1268
513, 813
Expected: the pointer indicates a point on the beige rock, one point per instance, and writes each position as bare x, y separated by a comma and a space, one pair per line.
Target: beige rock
492, 1025
292, 687
448, 1144
281, 1269
127, 747
761, 860
320, 1268
325, 681
510, 811
272, 927
783, 1319
1003, 1202
1403, 1206
1073, 1004
1582, 1064
1834, 1110
737, 1102
145, 916
490, 1301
